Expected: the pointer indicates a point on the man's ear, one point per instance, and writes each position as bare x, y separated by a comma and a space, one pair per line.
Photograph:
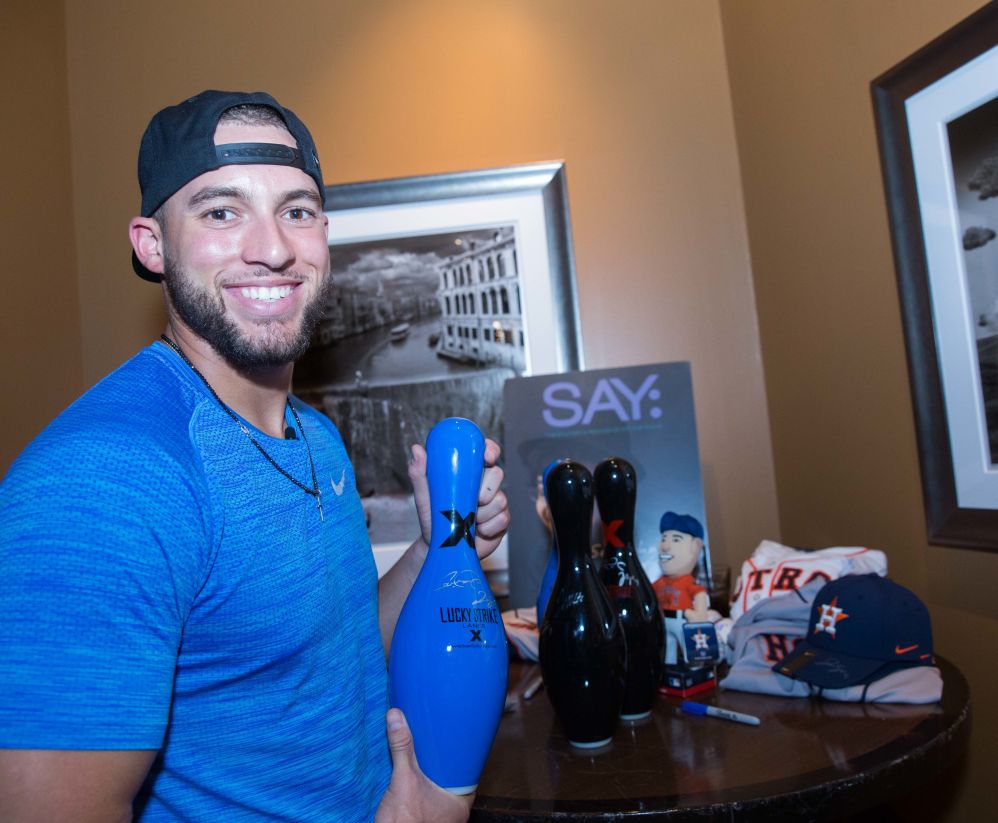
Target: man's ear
147, 242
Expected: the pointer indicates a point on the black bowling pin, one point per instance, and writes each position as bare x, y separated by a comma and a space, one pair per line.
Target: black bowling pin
628, 586
582, 647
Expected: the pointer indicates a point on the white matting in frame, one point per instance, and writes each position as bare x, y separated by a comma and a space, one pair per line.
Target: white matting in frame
929, 112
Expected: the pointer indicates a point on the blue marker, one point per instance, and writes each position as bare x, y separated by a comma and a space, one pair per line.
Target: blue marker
700, 708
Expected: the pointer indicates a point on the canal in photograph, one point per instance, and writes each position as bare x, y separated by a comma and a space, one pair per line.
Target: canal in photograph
379, 359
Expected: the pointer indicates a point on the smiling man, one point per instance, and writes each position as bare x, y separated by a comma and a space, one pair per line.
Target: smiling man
193, 625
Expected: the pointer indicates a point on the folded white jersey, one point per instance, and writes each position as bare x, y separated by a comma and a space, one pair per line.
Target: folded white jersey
764, 635
774, 570
522, 632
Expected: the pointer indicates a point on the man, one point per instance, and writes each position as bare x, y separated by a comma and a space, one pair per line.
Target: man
193, 626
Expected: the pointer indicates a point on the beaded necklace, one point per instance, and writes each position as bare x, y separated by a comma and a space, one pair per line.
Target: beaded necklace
314, 491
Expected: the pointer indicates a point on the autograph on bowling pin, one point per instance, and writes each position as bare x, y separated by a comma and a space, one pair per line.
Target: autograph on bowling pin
462, 579
623, 578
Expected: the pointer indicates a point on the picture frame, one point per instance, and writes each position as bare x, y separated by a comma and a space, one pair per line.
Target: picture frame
444, 285
936, 116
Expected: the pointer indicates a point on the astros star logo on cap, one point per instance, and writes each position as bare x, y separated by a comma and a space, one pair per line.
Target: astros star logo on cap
830, 614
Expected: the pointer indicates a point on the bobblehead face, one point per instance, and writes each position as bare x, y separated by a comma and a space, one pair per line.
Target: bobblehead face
678, 553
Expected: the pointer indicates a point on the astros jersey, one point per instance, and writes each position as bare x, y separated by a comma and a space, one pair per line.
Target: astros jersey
773, 570
765, 635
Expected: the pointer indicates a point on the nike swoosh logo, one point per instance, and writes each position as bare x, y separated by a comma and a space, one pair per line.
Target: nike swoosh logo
905, 650
338, 487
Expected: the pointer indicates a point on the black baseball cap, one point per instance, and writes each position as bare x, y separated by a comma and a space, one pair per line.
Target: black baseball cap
179, 145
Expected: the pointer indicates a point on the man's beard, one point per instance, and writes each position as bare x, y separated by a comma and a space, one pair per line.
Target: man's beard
204, 313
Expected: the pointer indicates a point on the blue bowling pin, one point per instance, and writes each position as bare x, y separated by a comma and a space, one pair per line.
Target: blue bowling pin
448, 662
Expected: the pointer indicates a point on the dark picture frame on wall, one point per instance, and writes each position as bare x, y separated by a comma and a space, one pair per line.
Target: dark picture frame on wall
937, 128
444, 286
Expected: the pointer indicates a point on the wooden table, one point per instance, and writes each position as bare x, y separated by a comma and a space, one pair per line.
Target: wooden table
808, 760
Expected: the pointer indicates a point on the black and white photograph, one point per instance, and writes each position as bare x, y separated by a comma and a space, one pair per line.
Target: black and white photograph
973, 141
937, 124
416, 329
445, 286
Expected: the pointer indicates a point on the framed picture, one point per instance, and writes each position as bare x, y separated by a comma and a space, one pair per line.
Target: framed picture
445, 286
937, 124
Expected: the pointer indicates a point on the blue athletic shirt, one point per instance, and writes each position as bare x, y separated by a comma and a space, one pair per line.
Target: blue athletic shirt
162, 586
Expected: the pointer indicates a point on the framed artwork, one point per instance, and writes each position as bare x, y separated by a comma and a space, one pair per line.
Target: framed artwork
445, 286
937, 126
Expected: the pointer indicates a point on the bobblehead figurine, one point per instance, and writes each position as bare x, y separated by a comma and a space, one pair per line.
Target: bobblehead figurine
682, 599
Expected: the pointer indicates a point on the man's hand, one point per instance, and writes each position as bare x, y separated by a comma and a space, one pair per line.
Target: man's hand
412, 797
492, 517
699, 612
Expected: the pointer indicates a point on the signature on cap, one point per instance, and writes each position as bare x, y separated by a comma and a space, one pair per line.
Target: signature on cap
833, 666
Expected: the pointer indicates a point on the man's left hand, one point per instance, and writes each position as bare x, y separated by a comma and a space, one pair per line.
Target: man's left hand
492, 517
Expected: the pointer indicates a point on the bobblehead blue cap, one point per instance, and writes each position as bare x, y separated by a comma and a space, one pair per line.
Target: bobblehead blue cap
179, 145
685, 523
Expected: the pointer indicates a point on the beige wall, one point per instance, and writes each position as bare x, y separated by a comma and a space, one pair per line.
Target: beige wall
40, 331
636, 103
836, 377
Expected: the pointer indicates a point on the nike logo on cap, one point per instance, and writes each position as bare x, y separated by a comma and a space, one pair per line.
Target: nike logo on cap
905, 650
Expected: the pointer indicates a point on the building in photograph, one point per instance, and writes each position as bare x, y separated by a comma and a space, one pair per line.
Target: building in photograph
479, 296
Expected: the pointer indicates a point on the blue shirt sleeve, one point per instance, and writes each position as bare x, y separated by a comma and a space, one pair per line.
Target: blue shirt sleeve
103, 545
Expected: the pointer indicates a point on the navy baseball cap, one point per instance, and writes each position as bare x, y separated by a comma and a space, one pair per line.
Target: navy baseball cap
179, 145
685, 523
862, 627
